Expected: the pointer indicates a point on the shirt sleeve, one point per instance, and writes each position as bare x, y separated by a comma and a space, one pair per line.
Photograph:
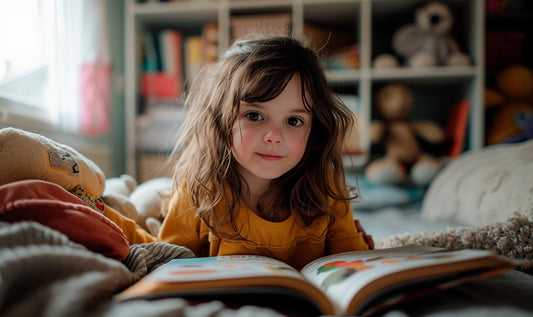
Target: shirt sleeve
342, 234
133, 232
182, 226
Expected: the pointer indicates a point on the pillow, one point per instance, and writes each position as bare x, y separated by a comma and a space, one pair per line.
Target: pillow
51, 205
484, 186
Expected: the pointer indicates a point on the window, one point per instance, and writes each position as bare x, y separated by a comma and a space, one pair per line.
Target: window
26, 58
55, 63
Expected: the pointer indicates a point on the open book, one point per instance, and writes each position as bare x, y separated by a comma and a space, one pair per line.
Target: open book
359, 282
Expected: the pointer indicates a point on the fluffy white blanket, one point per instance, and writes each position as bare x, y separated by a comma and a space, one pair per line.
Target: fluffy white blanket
512, 238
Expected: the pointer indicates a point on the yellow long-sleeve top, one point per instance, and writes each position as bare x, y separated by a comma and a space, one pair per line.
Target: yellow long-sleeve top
132, 231
289, 240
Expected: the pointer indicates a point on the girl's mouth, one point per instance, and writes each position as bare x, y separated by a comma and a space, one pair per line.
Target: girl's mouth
269, 157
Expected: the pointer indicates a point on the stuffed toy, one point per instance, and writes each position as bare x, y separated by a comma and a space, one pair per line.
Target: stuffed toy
509, 106
116, 195
123, 185
427, 42
404, 160
146, 203
25, 155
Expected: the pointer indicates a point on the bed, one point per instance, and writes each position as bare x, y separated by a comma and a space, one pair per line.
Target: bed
52, 264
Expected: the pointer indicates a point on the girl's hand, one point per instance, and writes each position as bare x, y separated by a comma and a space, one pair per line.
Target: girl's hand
368, 238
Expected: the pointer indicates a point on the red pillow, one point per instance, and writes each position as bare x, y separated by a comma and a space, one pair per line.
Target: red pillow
51, 205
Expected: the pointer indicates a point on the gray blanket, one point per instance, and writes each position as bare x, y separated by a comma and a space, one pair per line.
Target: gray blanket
43, 273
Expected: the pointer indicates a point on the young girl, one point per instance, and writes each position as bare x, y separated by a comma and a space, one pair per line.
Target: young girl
259, 167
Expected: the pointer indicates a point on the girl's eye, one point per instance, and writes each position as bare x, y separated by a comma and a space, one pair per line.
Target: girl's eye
254, 116
294, 121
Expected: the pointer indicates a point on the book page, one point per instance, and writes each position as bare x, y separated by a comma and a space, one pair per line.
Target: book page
214, 276
343, 275
222, 268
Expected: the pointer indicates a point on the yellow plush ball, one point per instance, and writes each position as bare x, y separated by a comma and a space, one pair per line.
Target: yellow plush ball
516, 82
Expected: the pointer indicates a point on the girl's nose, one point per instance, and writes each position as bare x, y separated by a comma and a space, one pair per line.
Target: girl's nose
273, 135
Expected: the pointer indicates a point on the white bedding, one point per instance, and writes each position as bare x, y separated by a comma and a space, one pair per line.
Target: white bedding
386, 210
385, 222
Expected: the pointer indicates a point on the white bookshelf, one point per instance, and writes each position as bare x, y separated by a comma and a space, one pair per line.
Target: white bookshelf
371, 22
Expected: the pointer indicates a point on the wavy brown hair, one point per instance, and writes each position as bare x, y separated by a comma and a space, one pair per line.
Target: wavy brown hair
258, 70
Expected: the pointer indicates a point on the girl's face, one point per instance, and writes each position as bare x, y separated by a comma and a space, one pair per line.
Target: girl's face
269, 138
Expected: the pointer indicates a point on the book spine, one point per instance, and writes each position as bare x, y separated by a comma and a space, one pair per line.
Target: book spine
193, 56
457, 126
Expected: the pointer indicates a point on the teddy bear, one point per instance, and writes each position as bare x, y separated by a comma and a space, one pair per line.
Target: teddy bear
404, 161
509, 106
145, 203
427, 42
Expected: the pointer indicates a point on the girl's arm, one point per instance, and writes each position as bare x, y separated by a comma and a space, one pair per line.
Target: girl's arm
133, 232
182, 226
367, 237
343, 234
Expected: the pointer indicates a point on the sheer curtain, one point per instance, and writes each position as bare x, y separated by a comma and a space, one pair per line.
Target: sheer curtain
81, 69
55, 63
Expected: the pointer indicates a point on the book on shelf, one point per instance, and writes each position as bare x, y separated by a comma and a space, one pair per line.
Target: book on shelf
360, 282
171, 55
456, 127
201, 50
210, 43
193, 56
151, 62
